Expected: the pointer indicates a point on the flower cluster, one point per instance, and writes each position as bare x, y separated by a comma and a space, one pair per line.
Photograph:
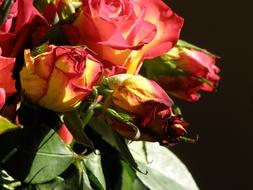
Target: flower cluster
54, 54
115, 66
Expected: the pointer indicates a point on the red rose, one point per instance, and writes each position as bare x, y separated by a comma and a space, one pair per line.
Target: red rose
7, 84
184, 71
124, 32
20, 22
201, 65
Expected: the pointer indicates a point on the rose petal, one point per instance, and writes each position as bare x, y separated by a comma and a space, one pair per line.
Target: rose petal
168, 27
6, 80
26, 18
2, 98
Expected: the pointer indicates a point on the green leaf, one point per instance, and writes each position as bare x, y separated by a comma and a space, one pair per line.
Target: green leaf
75, 180
161, 66
92, 163
6, 125
79, 181
112, 138
124, 151
52, 185
129, 179
105, 131
5, 9
165, 170
81, 177
35, 155
75, 126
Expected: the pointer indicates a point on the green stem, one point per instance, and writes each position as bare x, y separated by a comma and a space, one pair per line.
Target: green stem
189, 140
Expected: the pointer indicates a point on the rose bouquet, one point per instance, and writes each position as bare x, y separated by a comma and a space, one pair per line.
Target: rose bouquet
86, 89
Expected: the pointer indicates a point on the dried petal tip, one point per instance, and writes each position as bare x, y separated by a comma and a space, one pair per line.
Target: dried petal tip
174, 129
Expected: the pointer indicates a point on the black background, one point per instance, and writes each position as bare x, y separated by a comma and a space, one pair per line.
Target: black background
222, 158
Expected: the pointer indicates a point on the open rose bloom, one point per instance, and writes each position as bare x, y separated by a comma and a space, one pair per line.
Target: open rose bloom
80, 79
126, 32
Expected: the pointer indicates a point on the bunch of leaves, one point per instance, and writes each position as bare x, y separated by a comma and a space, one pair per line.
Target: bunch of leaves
33, 157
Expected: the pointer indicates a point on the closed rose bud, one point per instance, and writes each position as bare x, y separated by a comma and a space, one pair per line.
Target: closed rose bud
114, 81
183, 87
149, 108
184, 71
60, 78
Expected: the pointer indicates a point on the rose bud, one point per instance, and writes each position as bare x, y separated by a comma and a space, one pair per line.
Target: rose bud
65, 135
126, 32
150, 110
22, 19
7, 83
184, 71
114, 81
60, 77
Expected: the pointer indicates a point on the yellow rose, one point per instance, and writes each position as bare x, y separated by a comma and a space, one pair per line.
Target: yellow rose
60, 77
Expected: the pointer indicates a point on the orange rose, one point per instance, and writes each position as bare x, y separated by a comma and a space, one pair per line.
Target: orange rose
60, 78
126, 32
